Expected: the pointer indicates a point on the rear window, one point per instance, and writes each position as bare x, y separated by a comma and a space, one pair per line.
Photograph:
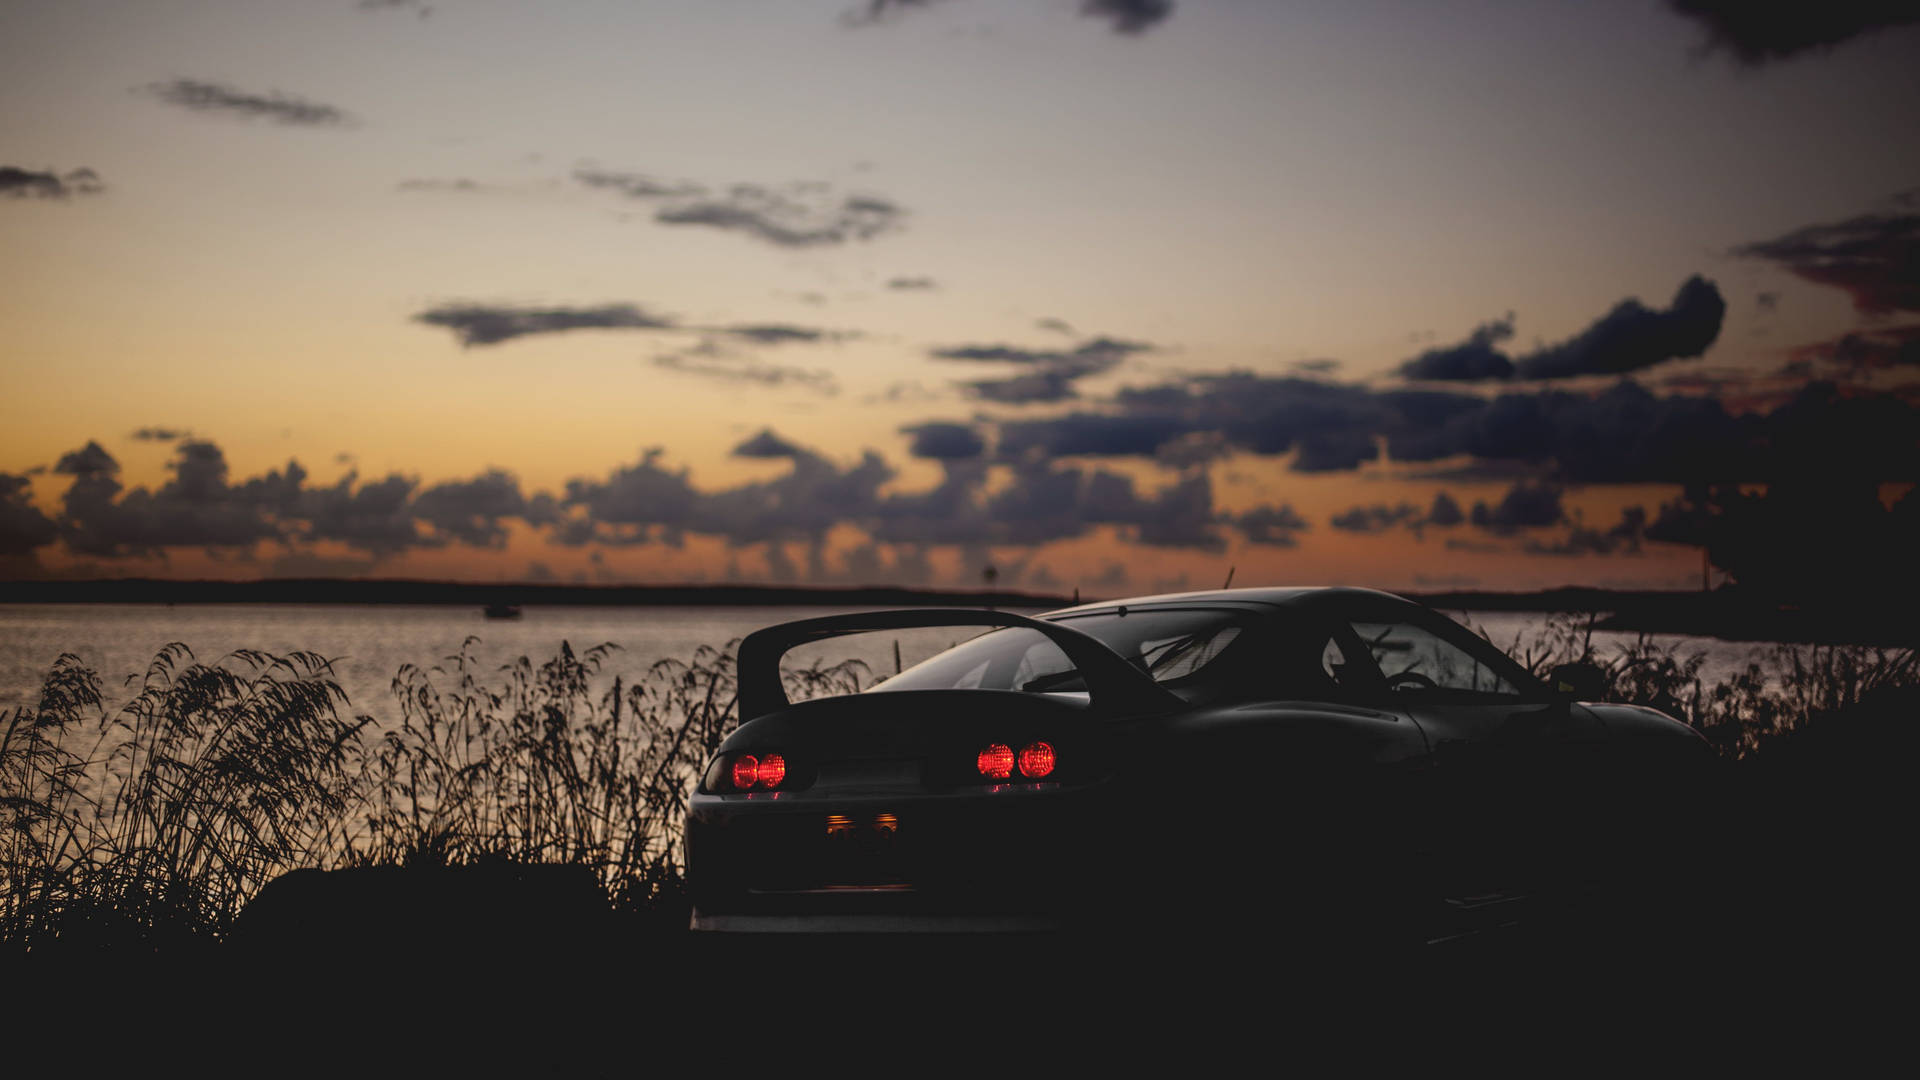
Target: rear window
1172, 646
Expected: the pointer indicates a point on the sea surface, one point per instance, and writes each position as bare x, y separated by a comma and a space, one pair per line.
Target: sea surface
369, 644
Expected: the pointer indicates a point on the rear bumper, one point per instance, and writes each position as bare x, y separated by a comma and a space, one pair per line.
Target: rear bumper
953, 865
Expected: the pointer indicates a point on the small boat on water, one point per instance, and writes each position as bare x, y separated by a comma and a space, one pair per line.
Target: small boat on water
501, 611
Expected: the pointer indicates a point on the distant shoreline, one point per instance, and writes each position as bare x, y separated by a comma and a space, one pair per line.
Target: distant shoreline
1727, 613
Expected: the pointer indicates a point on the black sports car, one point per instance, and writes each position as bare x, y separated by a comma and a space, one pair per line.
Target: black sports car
1270, 757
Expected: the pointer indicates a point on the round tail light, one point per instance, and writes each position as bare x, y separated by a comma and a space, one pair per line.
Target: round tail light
1036, 760
773, 769
746, 769
995, 761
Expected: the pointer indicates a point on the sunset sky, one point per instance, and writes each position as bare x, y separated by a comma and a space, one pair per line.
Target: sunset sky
1110, 294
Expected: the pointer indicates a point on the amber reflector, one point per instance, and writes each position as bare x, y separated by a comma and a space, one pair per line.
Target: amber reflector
1036, 760
995, 761
773, 769
746, 769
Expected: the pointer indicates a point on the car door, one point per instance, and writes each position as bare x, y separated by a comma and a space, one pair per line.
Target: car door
1509, 793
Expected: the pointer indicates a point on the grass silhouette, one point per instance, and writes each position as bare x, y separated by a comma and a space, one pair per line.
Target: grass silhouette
149, 827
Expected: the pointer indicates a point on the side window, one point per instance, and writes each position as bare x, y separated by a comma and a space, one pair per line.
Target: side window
1042, 663
1414, 660
1178, 657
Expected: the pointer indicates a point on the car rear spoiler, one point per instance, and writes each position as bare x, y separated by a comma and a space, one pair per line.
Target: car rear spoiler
1113, 684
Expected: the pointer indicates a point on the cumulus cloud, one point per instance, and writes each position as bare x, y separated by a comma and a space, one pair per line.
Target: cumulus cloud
418, 7
767, 445
1524, 506
1757, 34
802, 215
23, 528
1875, 257
1629, 338
491, 324
1445, 511
473, 511
1376, 518
1127, 16
1473, 359
942, 441
1274, 526
1052, 373
18, 183
209, 97
1633, 336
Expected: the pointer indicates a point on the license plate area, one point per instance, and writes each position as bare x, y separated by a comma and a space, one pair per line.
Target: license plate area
864, 849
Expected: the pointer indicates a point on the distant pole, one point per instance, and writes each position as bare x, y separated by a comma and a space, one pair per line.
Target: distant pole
1230, 571
896, 656
1706, 572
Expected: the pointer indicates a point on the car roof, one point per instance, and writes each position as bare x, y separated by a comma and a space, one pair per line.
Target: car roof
1270, 597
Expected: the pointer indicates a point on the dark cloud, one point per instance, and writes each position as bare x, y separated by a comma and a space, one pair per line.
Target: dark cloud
473, 511
704, 365
943, 441
801, 216
196, 508
89, 460
418, 7
767, 445
280, 108
1376, 518
1057, 326
779, 333
1767, 301
1524, 506
1137, 435
1633, 336
1273, 526
1624, 537
18, 183
1630, 337
912, 284
1859, 352
1758, 33
1874, 257
160, 434
1129, 16
375, 517
487, 324
637, 185
1621, 435
1444, 512
1053, 372
1473, 359
23, 528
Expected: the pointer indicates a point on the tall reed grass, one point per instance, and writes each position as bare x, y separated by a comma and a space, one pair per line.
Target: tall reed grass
153, 823
1779, 689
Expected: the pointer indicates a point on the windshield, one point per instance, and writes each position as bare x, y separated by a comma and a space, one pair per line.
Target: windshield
1169, 645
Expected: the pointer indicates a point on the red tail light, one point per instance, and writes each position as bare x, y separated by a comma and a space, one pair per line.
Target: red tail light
746, 769
1036, 760
995, 761
773, 769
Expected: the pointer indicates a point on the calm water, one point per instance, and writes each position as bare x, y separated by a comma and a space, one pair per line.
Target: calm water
369, 644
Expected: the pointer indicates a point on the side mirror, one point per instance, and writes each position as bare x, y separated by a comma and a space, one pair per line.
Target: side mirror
1581, 682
